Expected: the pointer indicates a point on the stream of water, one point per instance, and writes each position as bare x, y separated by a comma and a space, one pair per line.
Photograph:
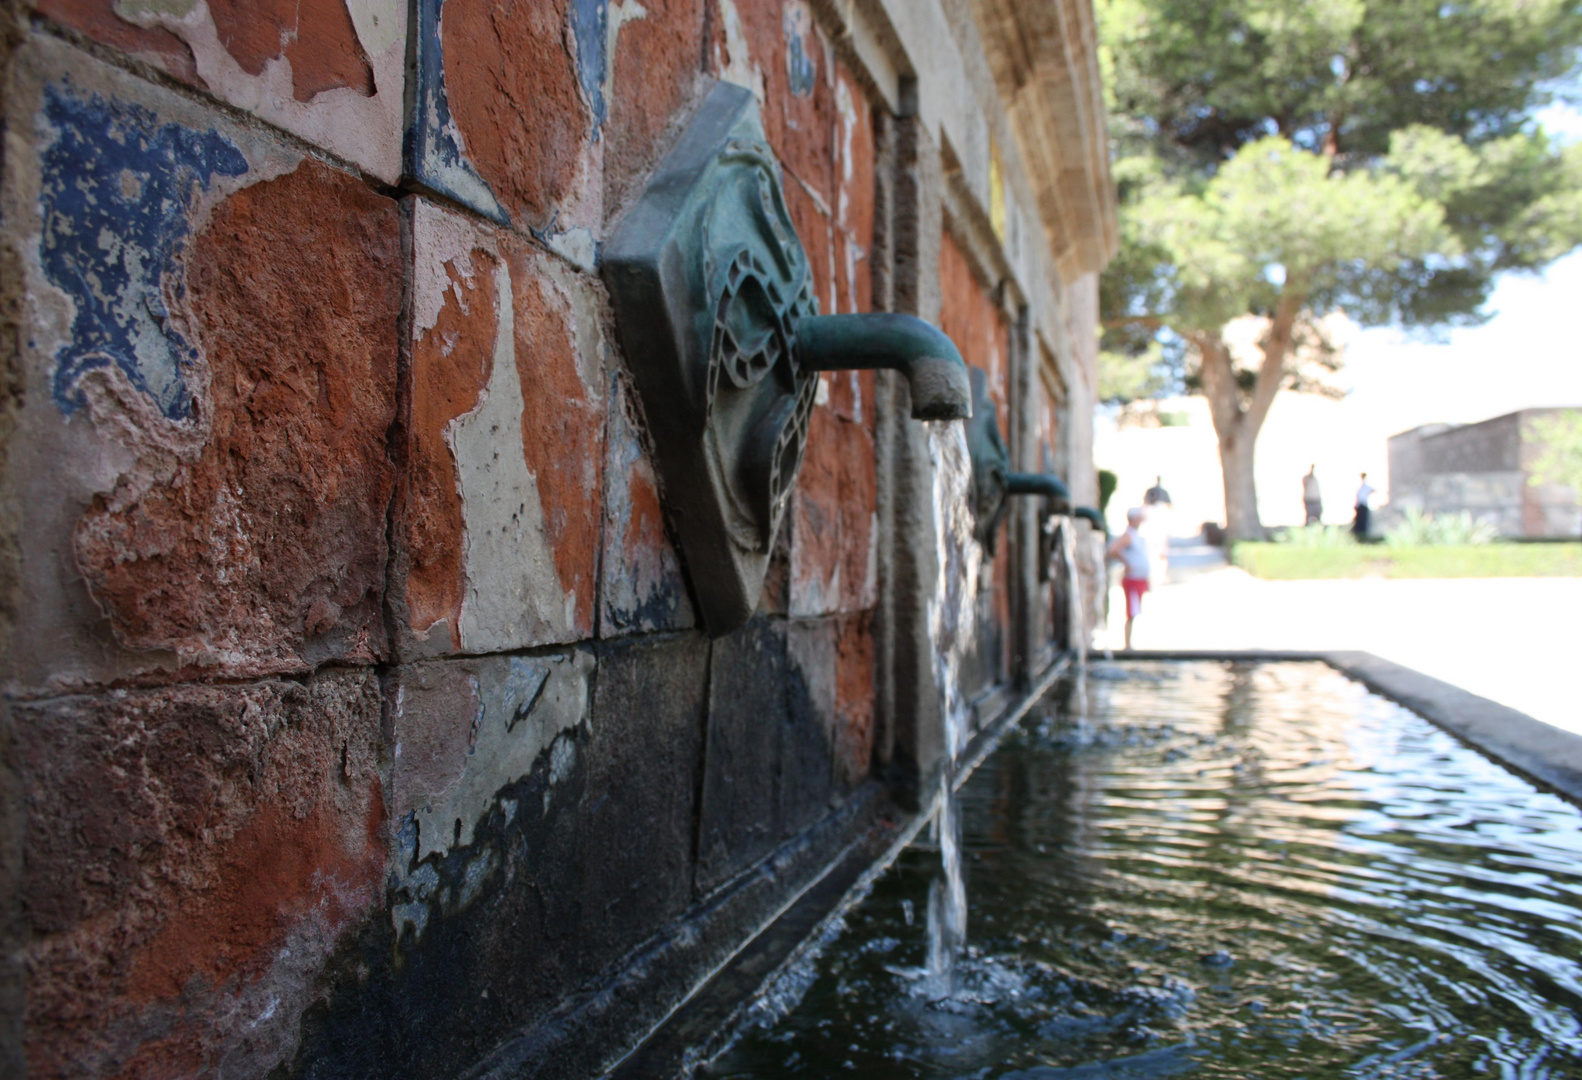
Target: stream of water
1229, 871
952, 626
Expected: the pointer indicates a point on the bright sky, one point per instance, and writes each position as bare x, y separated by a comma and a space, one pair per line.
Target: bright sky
1528, 355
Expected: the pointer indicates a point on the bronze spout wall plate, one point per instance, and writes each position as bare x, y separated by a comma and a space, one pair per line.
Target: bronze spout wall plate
993, 482
716, 316
708, 280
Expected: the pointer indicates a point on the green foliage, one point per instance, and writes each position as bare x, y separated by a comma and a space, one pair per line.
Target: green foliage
1561, 459
1108, 482
1372, 156
1417, 528
1125, 377
1286, 562
1316, 536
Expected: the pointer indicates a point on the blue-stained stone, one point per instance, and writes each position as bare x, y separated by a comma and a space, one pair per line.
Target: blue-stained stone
117, 191
432, 145
590, 26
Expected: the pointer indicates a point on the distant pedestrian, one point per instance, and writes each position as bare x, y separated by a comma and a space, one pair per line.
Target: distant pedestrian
1131, 551
1359, 524
1312, 498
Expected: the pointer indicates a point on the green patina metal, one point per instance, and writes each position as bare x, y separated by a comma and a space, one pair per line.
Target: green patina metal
720, 328
993, 482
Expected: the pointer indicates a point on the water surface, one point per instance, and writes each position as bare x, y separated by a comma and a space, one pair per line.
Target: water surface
1216, 870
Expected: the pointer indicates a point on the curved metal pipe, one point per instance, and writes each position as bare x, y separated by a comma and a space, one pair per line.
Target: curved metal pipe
1045, 484
925, 356
1093, 517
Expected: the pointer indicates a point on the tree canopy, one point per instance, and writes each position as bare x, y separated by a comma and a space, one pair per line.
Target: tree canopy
1285, 159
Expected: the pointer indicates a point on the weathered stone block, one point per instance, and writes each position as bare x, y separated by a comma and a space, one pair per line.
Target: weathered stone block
465, 730
329, 71
834, 565
740, 819
778, 52
499, 510
641, 757
973, 319
855, 700
525, 82
194, 854
204, 435
642, 588
545, 822
805, 775
856, 155
653, 73
483, 929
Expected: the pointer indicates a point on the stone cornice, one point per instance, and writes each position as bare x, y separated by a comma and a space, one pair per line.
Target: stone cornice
1044, 55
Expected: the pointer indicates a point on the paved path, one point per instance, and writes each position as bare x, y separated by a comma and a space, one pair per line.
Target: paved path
1517, 641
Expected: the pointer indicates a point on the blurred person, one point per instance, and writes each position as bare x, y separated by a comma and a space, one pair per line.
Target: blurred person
1130, 549
1359, 524
1312, 497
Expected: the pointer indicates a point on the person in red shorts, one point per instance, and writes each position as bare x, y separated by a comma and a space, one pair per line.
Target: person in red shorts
1131, 551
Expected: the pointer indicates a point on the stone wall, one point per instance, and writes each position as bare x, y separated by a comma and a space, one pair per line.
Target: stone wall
357, 718
1483, 469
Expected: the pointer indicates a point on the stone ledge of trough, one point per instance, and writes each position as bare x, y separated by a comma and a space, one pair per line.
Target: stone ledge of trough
1541, 752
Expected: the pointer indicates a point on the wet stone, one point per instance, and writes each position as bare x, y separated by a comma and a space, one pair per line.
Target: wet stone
642, 757
740, 818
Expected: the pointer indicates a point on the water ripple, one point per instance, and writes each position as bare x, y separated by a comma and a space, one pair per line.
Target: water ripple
1220, 870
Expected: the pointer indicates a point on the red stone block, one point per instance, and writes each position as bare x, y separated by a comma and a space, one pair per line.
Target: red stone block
451, 361
654, 72
834, 519
316, 36
778, 51
855, 698
512, 77
854, 193
972, 319
267, 552
194, 856
562, 425
499, 509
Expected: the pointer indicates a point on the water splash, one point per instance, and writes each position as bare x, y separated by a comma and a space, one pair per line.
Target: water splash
952, 628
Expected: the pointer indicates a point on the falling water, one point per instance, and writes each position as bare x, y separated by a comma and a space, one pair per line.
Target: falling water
1074, 613
952, 627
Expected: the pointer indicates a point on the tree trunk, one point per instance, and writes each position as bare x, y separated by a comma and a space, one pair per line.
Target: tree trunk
1237, 422
1241, 484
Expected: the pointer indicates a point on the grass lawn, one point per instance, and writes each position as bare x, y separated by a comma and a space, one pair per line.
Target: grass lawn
1288, 562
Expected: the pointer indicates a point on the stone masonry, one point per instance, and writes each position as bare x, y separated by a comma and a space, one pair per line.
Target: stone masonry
357, 720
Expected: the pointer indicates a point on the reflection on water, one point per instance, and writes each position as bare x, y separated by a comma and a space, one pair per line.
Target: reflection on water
1249, 871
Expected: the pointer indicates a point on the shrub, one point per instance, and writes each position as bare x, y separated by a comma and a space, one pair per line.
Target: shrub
1316, 536
1417, 529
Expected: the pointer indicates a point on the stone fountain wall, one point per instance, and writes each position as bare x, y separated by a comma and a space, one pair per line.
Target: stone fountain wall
356, 718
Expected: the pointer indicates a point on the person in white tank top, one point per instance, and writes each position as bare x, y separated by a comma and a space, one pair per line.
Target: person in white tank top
1130, 549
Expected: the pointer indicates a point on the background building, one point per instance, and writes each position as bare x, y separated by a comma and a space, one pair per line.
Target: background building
1485, 469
